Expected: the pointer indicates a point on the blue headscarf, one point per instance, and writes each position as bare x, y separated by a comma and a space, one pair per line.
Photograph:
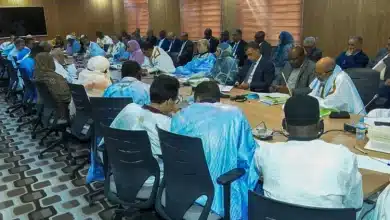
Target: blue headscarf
286, 41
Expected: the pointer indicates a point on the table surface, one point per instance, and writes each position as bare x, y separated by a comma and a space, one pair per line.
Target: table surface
257, 112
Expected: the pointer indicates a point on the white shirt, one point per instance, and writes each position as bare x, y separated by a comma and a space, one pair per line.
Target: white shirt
381, 67
161, 42
105, 41
160, 61
253, 70
293, 78
310, 173
170, 46
182, 48
382, 211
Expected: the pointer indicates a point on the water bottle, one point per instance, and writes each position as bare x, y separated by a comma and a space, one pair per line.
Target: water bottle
360, 132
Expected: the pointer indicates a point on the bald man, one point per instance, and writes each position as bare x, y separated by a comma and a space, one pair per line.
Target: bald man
354, 57
298, 73
174, 44
334, 88
265, 47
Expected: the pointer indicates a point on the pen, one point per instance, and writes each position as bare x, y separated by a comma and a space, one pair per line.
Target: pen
359, 149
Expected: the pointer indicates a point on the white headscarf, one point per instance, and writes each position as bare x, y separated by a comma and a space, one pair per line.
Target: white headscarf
96, 77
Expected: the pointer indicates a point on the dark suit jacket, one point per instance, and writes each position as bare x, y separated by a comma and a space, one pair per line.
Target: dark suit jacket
152, 40
315, 55
176, 46
187, 53
305, 77
359, 60
266, 49
262, 77
240, 52
213, 44
165, 44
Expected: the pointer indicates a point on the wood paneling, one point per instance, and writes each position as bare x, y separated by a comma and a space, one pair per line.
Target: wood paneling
333, 21
164, 15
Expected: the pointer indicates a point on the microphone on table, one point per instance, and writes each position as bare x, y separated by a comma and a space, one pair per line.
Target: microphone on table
351, 127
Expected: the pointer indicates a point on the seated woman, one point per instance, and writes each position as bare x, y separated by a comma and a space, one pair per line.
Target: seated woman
135, 51
201, 63
69, 72
115, 52
96, 77
56, 84
226, 68
280, 57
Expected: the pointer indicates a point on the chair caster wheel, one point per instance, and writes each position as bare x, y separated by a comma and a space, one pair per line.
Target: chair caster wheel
40, 157
19, 120
18, 130
33, 137
12, 115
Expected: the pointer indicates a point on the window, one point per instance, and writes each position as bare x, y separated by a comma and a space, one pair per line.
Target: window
197, 15
270, 16
137, 15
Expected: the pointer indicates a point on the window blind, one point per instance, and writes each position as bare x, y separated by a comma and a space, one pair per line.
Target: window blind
270, 16
137, 15
197, 15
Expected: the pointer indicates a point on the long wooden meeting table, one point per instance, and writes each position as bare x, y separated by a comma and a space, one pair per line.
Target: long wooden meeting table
257, 112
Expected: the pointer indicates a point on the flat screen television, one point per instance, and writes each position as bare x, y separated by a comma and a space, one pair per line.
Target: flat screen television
21, 21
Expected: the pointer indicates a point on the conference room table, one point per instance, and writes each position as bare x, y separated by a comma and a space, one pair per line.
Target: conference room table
257, 112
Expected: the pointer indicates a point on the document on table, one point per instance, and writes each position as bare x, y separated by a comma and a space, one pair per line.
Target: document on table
374, 164
378, 146
273, 98
225, 88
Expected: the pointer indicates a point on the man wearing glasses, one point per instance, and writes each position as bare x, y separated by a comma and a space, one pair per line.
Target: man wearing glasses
334, 89
354, 57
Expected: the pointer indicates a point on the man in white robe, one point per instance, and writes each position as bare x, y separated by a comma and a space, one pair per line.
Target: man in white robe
164, 92
103, 41
158, 60
334, 88
306, 170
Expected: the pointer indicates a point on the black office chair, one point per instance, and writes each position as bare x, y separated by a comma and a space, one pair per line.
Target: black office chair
104, 111
130, 157
13, 90
186, 178
29, 95
263, 208
366, 81
50, 118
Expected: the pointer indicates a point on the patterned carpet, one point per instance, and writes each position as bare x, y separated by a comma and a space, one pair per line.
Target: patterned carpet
42, 189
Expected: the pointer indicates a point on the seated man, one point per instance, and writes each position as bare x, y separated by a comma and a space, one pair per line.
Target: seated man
259, 75
19, 51
69, 72
298, 72
174, 44
103, 41
8, 46
312, 52
92, 49
130, 85
116, 50
186, 50
73, 46
158, 60
305, 170
207, 119
163, 43
201, 63
382, 65
334, 88
163, 94
382, 54
354, 57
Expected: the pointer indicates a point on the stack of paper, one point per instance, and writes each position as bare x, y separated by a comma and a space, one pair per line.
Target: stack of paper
374, 164
225, 88
269, 100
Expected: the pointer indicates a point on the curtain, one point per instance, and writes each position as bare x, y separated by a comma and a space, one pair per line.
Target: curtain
197, 15
270, 16
137, 15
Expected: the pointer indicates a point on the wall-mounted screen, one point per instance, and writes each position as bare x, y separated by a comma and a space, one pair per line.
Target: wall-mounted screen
21, 21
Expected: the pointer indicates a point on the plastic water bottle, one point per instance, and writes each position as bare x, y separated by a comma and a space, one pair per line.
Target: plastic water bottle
360, 131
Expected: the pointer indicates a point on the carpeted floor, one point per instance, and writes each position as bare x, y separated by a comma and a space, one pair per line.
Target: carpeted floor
33, 189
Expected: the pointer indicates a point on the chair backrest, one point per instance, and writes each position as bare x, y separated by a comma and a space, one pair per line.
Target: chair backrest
186, 174
104, 111
366, 81
83, 111
50, 106
132, 163
262, 208
13, 74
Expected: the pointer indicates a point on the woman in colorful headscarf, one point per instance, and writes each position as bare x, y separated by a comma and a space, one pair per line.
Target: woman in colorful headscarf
73, 46
280, 57
135, 51
96, 77
56, 84
226, 68
201, 63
